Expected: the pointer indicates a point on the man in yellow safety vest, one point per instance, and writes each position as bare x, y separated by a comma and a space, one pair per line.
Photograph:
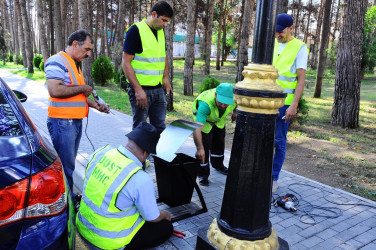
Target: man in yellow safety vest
290, 59
146, 68
118, 207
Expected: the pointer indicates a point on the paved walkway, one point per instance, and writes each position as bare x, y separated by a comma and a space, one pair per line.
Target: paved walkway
327, 218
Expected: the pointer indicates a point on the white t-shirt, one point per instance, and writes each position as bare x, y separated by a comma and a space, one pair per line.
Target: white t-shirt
300, 59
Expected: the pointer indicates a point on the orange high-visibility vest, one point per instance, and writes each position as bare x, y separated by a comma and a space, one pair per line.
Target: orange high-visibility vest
74, 107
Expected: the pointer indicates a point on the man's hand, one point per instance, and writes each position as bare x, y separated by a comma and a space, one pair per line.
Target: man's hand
141, 98
104, 107
167, 84
200, 155
291, 112
87, 90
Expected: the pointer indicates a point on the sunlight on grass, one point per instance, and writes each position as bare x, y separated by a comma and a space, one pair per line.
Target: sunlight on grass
38, 75
11, 65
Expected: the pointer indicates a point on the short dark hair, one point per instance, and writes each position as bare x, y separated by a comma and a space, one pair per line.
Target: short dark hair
163, 9
79, 36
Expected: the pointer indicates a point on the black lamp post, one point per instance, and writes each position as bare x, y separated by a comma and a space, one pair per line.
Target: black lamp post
244, 217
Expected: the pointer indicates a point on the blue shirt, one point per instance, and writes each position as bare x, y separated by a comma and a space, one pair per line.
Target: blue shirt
55, 69
139, 191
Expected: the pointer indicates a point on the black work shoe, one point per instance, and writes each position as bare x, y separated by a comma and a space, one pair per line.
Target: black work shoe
222, 170
204, 182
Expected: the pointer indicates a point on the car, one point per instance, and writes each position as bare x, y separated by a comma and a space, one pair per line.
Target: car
36, 208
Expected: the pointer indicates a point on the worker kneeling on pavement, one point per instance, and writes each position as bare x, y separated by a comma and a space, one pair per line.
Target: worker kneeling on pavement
118, 207
210, 110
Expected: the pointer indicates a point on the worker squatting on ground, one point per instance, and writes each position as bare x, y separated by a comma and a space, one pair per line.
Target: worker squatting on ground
210, 110
118, 206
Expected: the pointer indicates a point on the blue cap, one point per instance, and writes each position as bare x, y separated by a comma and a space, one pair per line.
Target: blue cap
224, 93
284, 21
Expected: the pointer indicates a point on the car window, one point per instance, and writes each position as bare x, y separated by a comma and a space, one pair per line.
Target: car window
9, 125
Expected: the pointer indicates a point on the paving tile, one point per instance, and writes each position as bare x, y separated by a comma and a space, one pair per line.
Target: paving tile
371, 246
365, 238
330, 243
312, 241
327, 233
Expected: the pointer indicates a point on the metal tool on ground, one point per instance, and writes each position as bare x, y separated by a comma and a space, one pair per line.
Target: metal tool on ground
287, 202
178, 234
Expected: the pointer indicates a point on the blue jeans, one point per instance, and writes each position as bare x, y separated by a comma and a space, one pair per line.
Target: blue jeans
66, 135
280, 141
155, 109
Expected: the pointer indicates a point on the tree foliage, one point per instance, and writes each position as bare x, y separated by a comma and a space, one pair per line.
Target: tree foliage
369, 42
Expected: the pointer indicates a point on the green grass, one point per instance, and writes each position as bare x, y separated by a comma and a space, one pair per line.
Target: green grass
10, 65
38, 75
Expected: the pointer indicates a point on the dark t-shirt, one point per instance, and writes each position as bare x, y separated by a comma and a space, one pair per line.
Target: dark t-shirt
132, 43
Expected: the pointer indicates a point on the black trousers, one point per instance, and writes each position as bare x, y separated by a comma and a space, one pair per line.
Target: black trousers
214, 145
151, 235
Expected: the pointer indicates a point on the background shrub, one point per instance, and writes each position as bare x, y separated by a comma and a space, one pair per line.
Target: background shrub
302, 114
36, 61
208, 83
41, 65
103, 70
121, 79
19, 60
10, 57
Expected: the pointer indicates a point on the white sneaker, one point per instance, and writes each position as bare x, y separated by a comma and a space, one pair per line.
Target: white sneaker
275, 186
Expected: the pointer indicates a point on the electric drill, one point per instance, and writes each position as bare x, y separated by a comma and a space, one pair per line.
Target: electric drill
287, 202
98, 99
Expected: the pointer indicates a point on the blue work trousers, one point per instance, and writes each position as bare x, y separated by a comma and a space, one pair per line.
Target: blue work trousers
155, 109
66, 135
280, 141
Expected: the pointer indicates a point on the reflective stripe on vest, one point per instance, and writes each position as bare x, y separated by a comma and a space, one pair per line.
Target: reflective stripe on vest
74, 107
149, 66
283, 63
213, 118
99, 220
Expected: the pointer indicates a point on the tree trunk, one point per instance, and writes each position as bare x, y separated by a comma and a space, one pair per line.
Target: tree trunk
220, 21
28, 41
297, 18
105, 8
189, 52
21, 35
240, 27
84, 23
118, 50
244, 39
132, 12
336, 24
7, 17
324, 45
76, 15
224, 28
169, 33
42, 31
317, 36
14, 23
58, 26
282, 6
209, 37
347, 83
51, 23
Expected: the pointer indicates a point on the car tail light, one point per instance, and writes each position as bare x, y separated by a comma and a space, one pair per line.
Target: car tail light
47, 196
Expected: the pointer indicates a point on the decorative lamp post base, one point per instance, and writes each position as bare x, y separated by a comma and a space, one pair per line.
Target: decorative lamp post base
213, 238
